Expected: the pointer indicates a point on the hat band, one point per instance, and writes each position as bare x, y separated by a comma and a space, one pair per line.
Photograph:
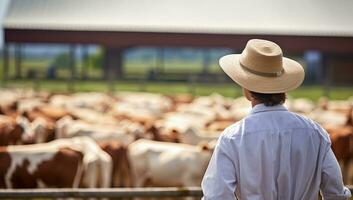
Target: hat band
266, 74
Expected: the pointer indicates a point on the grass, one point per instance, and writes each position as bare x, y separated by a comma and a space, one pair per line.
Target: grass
225, 89
141, 68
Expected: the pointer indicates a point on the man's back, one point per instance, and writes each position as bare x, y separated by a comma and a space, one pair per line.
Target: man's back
273, 154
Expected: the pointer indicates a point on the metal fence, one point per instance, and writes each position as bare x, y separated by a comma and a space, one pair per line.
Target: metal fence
100, 193
104, 192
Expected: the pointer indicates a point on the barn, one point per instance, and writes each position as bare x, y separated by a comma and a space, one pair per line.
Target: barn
302, 28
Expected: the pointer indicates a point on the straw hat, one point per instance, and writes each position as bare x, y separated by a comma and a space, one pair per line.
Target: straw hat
262, 68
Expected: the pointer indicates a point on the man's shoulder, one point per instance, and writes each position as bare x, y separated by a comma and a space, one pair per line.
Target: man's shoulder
309, 123
232, 130
298, 121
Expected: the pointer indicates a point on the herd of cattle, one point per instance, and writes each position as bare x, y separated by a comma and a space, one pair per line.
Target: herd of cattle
131, 139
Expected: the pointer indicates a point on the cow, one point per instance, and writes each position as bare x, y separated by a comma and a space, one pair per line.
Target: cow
28, 167
167, 164
184, 128
240, 108
48, 112
141, 107
43, 130
329, 117
94, 101
76, 162
342, 146
38, 131
219, 125
121, 174
92, 116
300, 105
11, 131
124, 131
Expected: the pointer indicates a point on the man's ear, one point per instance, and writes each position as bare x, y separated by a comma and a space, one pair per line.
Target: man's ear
247, 94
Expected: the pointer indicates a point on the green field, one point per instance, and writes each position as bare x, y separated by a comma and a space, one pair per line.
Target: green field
141, 68
225, 89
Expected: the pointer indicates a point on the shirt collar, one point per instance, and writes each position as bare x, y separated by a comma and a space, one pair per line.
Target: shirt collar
262, 108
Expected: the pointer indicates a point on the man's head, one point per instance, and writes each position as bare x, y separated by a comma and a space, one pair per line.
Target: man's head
267, 99
263, 69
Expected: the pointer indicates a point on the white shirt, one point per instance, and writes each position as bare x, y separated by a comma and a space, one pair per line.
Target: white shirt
273, 154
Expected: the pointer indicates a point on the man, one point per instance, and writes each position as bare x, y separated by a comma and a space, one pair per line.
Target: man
272, 153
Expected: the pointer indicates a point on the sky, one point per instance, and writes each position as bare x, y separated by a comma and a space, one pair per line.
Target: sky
3, 5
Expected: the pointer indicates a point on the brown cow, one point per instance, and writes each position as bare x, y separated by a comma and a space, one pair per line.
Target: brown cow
47, 112
342, 146
122, 176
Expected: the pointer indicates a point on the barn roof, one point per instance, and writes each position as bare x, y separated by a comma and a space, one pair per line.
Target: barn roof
271, 17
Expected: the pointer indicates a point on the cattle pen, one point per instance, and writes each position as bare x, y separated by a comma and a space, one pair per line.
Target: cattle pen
104, 192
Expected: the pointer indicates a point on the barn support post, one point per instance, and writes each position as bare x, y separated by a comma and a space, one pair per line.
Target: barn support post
327, 75
18, 61
206, 61
72, 63
118, 59
160, 61
85, 62
113, 62
113, 65
5, 74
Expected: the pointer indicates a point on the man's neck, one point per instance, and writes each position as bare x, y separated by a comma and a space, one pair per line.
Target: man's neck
254, 103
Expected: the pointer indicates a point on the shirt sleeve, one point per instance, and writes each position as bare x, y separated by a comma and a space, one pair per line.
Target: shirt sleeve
219, 181
332, 187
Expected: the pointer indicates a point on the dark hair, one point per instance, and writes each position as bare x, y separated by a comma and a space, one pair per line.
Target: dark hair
269, 99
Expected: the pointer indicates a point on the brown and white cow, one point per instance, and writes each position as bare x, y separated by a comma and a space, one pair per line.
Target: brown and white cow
184, 128
38, 131
167, 164
61, 163
35, 168
11, 132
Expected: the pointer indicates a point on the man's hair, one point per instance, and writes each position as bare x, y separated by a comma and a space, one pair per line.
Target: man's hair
269, 99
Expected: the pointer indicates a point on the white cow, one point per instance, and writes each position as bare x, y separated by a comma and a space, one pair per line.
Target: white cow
124, 131
167, 164
92, 100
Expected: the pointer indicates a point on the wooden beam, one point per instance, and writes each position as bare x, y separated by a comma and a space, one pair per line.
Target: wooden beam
290, 43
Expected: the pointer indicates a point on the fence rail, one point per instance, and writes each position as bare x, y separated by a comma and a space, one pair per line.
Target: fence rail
104, 192
100, 192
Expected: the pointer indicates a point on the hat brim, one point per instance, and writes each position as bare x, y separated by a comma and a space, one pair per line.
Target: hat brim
291, 78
